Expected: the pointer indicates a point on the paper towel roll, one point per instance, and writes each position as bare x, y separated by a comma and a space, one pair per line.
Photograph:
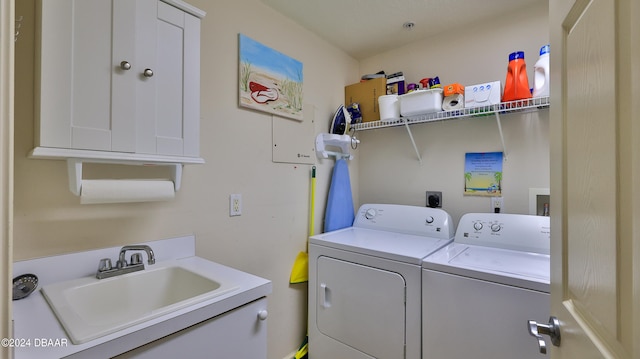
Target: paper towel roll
453, 102
124, 191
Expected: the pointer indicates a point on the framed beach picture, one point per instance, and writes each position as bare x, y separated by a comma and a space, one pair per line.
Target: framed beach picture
269, 80
483, 174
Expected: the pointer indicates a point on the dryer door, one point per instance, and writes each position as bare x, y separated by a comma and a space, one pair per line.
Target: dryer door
362, 307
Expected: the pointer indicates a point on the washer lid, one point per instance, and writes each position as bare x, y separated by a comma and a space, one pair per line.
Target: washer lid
510, 267
400, 247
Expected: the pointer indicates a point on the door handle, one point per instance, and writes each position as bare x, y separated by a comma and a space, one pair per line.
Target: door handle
325, 300
552, 330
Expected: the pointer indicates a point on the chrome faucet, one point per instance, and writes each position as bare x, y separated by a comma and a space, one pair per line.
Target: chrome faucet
106, 270
122, 262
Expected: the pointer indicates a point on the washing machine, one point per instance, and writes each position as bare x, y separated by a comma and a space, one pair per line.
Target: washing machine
364, 282
490, 281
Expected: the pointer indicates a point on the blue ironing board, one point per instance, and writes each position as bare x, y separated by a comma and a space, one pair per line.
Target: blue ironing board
340, 212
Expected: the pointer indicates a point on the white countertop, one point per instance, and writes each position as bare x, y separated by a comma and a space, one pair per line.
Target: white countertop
41, 336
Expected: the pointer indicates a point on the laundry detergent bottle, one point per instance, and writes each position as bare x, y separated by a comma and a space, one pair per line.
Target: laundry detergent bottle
516, 86
541, 74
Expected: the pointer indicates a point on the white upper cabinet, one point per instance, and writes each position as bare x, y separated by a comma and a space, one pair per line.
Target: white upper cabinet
118, 76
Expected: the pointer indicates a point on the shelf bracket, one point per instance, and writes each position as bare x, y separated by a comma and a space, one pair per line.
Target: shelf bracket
504, 147
413, 142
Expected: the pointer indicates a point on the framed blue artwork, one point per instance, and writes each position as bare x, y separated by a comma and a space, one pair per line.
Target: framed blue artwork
483, 174
269, 80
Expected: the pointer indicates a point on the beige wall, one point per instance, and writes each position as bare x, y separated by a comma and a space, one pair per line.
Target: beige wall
236, 144
388, 168
6, 166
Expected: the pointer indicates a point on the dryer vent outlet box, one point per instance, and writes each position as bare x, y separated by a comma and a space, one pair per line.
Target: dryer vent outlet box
434, 199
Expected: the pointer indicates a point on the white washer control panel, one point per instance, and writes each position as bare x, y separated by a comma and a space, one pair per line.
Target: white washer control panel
421, 221
507, 231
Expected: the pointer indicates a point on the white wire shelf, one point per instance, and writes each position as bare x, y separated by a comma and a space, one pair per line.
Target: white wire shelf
501, 108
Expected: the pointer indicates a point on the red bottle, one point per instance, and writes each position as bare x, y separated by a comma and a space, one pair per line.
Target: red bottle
517, 85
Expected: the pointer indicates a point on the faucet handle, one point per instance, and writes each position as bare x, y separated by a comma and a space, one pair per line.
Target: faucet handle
105, 265
136, 258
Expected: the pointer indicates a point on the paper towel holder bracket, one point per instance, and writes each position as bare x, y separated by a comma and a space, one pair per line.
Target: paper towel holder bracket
74, 169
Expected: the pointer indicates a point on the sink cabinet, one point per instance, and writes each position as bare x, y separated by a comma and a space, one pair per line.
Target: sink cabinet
232, 324
239, 333
118, 76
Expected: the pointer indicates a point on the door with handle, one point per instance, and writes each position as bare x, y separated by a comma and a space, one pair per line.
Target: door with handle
362, 307
595, 172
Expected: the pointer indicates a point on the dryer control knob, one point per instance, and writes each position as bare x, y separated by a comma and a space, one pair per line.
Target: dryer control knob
477, 226
429, 220
370, 213
496, 227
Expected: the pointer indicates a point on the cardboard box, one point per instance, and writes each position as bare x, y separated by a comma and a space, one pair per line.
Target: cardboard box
480, 95
366, 93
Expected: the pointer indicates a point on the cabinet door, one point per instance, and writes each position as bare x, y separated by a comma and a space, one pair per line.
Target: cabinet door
238, 334
168, 112
119, 75
86, 100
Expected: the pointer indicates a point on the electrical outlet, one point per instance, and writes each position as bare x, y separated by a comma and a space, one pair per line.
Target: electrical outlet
497, 204
235, 205
434, 199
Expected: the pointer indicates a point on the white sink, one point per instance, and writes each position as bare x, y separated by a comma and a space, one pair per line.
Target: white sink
89, 308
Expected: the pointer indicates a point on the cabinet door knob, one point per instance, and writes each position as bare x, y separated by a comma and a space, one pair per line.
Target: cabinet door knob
125, 65
263, 314
148, 73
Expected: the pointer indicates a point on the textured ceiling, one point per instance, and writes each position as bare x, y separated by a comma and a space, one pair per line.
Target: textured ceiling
363, 28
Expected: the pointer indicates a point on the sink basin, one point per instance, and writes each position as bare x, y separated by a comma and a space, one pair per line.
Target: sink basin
89, 308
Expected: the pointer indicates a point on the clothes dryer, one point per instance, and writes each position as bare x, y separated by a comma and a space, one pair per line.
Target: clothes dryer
490, 281
364, 282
